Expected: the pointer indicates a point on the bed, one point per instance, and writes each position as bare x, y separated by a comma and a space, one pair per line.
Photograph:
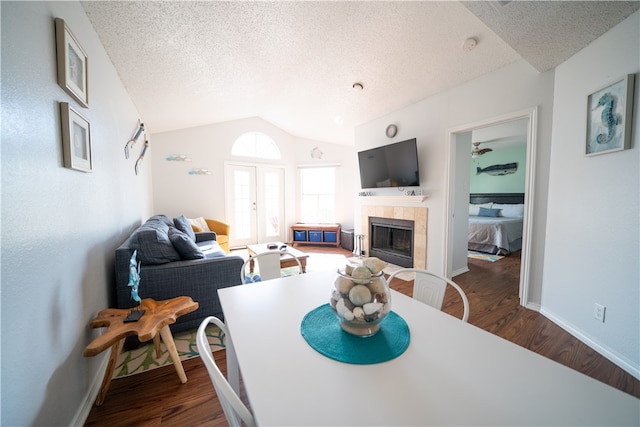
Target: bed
495, 222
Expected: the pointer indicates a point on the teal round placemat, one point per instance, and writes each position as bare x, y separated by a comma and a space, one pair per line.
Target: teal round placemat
321, 329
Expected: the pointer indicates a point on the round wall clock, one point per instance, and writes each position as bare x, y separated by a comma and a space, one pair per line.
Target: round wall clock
391, 131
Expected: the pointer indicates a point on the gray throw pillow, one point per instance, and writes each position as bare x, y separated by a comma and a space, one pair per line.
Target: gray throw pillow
184, 245
163, 219
183, 224
153, 245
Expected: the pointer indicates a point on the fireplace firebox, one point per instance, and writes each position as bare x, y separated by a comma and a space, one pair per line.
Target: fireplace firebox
391, 240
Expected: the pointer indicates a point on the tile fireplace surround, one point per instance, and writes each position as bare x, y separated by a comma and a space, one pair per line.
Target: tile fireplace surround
418, 215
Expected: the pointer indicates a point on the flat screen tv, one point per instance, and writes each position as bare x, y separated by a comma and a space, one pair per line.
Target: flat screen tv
392, 165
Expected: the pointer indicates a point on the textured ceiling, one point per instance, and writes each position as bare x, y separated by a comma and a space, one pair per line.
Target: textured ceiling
293, 64
547, 33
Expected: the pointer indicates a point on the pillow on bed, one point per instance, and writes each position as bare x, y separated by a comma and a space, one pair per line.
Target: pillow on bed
510, 210
474, 208
489, 212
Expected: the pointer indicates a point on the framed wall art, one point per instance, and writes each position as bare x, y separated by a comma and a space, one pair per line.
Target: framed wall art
72, 64
609, 117
76, 139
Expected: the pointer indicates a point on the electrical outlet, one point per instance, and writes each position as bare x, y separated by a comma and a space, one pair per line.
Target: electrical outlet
598, 312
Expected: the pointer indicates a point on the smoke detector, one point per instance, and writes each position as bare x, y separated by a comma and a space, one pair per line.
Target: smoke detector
469, 44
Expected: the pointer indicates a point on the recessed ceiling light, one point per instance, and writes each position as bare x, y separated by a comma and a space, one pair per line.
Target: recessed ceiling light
358, 86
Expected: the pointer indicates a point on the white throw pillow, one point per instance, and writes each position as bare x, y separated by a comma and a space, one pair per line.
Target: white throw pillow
200, 222
510, 210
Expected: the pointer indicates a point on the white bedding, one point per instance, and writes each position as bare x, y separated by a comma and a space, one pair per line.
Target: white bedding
504, 234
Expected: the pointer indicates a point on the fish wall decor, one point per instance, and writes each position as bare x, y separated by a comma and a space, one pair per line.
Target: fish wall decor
498, 170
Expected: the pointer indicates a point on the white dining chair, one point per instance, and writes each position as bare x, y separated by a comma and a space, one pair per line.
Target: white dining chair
430, 288
268, 264
234, 409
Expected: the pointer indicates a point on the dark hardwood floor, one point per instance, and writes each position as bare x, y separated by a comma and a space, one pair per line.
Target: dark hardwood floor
156, 398
492, 290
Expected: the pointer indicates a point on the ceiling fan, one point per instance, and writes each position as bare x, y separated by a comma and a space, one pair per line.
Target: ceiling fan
477, 152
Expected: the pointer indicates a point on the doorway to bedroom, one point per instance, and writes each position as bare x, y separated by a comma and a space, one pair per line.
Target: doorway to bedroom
490, 188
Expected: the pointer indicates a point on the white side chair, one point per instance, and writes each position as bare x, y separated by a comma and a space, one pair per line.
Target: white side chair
430, 288
234, 410
269, 264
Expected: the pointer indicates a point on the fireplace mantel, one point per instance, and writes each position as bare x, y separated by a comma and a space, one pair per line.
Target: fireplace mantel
394, 199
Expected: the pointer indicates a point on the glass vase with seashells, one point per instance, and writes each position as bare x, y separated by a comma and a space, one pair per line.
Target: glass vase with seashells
360, 297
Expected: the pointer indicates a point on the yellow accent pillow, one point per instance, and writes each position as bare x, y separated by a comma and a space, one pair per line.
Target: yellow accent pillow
196, 229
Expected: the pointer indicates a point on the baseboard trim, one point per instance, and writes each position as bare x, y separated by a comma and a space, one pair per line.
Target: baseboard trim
80, 418
459, 271
603, 350
533, 306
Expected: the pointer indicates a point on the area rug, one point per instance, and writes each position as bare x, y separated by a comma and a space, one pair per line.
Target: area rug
143, 358
484, 257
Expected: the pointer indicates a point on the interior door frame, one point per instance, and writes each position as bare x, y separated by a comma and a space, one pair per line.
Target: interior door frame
530, 114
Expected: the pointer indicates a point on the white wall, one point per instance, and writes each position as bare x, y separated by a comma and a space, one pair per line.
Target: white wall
510, 89
461, 186
59, 227
175, 192
593, 231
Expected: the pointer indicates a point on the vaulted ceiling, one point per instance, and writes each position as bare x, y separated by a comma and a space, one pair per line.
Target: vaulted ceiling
294, 63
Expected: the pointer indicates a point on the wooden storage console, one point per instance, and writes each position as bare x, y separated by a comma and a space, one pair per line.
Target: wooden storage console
315, 234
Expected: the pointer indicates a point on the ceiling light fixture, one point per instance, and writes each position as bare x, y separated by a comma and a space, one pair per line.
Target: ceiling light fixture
357, 86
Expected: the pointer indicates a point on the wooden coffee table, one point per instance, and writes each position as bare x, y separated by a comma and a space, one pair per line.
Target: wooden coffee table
156, 319
284, 262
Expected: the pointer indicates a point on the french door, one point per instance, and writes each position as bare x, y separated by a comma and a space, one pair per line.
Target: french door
254, 198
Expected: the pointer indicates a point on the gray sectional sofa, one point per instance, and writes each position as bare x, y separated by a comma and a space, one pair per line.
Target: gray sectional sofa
176, 261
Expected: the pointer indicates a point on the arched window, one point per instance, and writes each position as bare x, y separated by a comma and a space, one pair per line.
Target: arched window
255, 144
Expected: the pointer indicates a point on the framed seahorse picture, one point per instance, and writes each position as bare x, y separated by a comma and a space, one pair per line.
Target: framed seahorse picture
609, 117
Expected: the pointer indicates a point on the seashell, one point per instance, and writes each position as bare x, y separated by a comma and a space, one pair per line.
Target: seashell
358, 313
348, 303
343, 285
348, 315
377, 285
360, 295
375, 265
343, 311
348, 269
386, 309
380, 297
372, 307
361, 272
371, 317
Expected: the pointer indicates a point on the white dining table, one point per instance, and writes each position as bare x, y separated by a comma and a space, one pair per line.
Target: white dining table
452, 373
